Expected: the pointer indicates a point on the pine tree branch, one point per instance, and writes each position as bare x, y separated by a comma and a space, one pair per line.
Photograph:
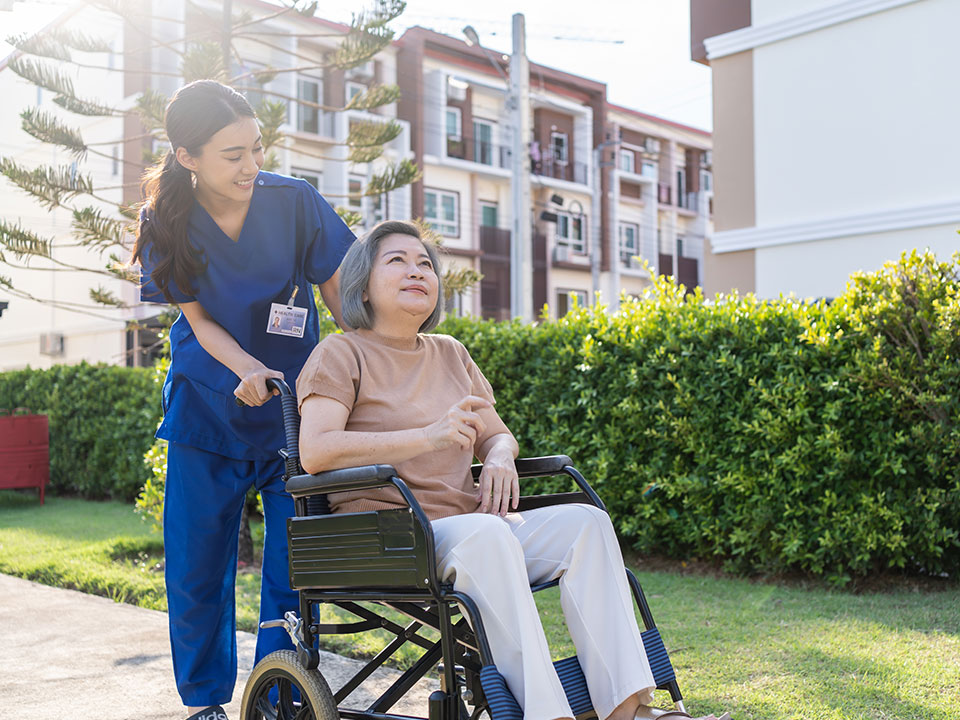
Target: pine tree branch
370, 133
26, 246
151, 107
394, 176
91, 108
42, 44
373, 97
23, 243
203, 61
79, 40
80, 308
41, 74
49, 185
271, 115
96, 231
47, 128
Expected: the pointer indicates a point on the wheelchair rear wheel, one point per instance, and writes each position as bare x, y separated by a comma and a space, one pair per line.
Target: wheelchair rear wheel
280, 688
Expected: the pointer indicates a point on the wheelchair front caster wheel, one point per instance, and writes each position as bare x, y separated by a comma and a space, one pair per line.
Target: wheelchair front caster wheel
280, 688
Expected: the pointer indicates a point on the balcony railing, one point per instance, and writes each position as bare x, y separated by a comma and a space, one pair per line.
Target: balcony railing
478, 151
689, 201
569, 171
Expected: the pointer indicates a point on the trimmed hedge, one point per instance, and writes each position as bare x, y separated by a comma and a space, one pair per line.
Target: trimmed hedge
102, 420
782, 435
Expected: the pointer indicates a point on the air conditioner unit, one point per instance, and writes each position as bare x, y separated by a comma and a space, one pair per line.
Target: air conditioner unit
51, 344
561, 253
456, 89
651, 145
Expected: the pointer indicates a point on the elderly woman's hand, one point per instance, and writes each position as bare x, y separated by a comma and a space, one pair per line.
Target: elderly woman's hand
459, 426
499, 484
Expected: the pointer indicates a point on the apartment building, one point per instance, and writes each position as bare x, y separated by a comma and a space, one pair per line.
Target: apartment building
835, 138
662, 198
609, 184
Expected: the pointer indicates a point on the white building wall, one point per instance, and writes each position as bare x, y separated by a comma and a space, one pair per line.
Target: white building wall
856, 146
820, 269
858, 117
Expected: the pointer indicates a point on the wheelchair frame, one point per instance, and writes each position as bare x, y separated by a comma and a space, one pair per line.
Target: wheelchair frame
387, 557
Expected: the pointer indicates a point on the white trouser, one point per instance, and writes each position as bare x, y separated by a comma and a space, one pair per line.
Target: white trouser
495, 560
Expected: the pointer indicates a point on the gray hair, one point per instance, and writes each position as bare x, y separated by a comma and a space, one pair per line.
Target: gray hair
358, 264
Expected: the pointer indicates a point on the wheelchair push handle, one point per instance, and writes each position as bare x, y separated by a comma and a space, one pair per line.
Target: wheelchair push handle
291, 424
272, 384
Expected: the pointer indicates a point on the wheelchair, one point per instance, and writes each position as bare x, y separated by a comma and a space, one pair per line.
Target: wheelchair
385, 559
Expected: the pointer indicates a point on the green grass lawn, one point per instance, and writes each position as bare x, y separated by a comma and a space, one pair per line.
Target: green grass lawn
762, 651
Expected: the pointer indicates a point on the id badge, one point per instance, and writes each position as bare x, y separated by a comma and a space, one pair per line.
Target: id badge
287, 320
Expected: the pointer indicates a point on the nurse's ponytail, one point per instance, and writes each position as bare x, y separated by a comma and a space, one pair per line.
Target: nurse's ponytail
195, 114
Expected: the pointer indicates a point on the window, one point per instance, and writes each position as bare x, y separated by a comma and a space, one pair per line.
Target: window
353, 89
355, 188
308, 117
706, 180
376, 210
626, 161
252, 80
570, 232
682, 188
454, 120
629, 243
488, 214
648, 168
483, 142
441, 210
309, 175
115, 162
559, 147
568, 299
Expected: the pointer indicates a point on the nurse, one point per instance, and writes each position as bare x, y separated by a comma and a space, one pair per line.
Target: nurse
238, 249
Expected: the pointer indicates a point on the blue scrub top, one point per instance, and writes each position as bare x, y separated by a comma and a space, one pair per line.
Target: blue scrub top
291, 236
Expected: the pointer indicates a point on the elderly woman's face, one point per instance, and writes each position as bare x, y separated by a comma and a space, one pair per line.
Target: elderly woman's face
403, 279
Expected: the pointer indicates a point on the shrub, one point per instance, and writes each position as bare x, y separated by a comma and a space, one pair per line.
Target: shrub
102, 420
784, 435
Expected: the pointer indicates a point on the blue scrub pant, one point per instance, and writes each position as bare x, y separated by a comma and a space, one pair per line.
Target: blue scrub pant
201, 519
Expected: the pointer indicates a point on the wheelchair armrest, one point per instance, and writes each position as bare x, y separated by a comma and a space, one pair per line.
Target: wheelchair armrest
534, 467
364, 477
550, 465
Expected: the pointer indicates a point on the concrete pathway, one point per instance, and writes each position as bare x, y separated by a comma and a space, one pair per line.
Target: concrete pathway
66, 655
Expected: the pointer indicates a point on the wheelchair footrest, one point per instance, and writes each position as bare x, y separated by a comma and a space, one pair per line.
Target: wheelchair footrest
657, 657
504, 706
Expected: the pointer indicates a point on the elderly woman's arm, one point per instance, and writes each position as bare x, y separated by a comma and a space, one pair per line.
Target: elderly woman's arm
325, 444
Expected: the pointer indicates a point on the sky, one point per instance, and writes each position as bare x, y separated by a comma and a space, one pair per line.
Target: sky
639, 48
649, 70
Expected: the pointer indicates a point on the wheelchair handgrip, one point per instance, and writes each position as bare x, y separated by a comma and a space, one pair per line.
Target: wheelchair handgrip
365, 477
272, 384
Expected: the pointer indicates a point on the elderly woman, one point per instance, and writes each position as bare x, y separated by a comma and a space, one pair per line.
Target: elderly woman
390, 393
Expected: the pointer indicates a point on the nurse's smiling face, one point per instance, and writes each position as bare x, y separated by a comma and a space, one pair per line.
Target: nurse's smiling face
228, 163
403, 286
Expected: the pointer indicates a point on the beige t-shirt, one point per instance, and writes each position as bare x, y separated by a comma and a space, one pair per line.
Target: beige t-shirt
389, 384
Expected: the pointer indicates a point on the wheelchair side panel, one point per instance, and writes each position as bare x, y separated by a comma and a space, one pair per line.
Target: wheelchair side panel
382, 549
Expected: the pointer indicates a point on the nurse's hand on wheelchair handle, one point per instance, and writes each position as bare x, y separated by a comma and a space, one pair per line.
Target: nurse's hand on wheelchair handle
499, 483
459, 425
252, 389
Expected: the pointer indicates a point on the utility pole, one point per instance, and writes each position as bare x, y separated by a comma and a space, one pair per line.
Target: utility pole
521, 251
226, 33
